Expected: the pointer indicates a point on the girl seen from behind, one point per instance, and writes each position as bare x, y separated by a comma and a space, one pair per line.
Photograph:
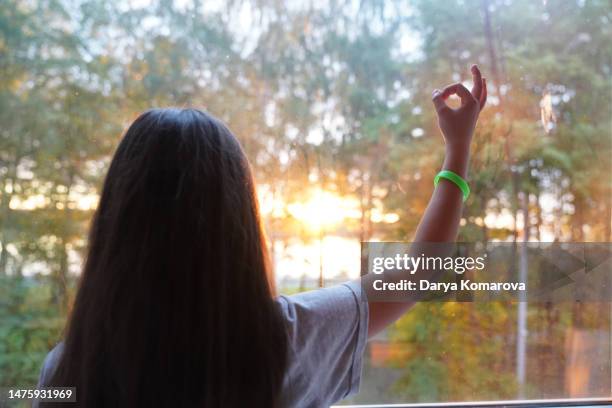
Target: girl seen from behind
176, 305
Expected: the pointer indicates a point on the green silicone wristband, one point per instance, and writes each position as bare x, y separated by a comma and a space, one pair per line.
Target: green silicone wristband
455, 178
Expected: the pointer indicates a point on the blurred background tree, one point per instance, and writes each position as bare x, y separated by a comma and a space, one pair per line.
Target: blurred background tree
329, 99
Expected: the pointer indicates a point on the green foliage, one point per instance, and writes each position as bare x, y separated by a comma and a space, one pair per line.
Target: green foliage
324, 97
29, 326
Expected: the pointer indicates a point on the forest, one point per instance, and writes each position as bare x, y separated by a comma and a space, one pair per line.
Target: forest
331, 101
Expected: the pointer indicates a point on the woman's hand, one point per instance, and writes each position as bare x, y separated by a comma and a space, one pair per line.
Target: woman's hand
457, 125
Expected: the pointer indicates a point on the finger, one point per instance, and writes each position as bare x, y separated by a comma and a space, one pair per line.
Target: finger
483, 96
477, 78
437, 98
460, 90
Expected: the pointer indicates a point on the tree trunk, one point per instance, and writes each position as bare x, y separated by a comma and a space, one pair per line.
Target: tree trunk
578, 219
538, 210
608, 228
521, 344
484, 229
62, 272
6, 214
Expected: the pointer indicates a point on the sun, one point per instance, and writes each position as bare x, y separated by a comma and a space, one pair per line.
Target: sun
323, 210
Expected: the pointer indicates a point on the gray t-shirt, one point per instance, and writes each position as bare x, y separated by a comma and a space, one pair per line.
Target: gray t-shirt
327, 331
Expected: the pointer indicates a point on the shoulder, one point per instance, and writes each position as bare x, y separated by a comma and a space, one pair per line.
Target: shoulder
327, 332
50, 363
307, 313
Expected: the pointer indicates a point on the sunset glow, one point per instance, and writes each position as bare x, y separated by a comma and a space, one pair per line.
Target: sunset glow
323, 210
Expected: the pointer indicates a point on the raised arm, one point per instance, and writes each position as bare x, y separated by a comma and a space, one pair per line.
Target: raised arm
440, 221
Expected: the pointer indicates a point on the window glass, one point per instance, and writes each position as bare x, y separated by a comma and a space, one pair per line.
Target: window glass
332, 103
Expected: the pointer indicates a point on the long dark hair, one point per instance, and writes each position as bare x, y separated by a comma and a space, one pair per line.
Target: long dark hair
175, 306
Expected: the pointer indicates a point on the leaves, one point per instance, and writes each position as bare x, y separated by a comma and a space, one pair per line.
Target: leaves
336, 97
